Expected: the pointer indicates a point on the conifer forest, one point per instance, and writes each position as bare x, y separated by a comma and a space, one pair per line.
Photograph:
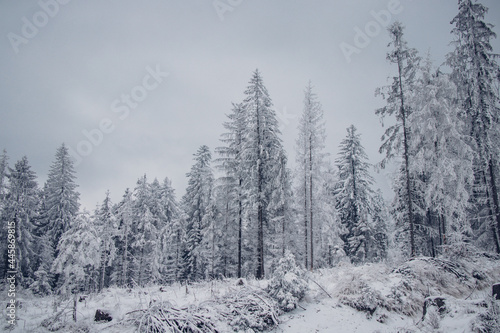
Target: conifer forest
272, 234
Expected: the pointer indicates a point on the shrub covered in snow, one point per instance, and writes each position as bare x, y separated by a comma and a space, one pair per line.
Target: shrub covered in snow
164, 317
241, 310
247, 308
287, 285
489, 320
360, 296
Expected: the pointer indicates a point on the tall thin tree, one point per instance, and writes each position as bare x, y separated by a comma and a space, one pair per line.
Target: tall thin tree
396, 139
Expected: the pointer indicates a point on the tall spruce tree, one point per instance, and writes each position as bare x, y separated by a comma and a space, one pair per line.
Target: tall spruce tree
261, 154
170, 234
122, 275
145, 242
396, 139
309, 159
442, 158
196, 203
231, 162
106, 224
60, 198
475, 72
19, 213
353, 196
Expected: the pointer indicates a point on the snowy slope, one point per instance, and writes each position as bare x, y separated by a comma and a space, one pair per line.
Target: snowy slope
368, 298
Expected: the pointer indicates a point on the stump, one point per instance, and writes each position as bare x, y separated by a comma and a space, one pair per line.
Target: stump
101, 315
496, 291
436, 301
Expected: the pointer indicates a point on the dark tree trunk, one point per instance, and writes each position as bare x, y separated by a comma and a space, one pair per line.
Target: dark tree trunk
495, 208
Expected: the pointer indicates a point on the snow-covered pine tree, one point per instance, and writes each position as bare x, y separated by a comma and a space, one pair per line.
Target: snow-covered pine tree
196, 203
229, 215
379, 246
211, 234
19, 213
107, 227
475, 72
170, 234
353, 196
261, 155
123, 211
397, 137
442, 157
60, 198
145, 242
280, 206
78, 256
45, 256
331, 227
231, 162
309, 159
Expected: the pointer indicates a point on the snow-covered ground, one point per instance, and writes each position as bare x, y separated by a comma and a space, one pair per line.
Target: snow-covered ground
369, 298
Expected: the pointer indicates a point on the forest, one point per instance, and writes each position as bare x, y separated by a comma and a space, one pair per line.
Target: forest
244, 208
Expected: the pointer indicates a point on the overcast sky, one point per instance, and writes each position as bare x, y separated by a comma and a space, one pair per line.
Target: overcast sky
73, 66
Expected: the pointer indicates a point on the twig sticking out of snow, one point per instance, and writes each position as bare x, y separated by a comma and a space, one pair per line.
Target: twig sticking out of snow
326, 292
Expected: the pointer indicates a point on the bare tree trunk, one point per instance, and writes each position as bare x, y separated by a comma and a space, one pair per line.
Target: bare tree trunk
75, 303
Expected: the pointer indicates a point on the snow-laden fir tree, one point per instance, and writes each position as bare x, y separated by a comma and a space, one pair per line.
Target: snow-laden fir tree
396, 139
229, 215
353, 196
171, 240
287, 284
476, 72
331, 228
123, 211
309, 160
211, 234
231, 162
145, 241
107, 226
262, 152
442, 158
196, 203
78, 256
379, 246
281, 230
20, 211
60, 198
